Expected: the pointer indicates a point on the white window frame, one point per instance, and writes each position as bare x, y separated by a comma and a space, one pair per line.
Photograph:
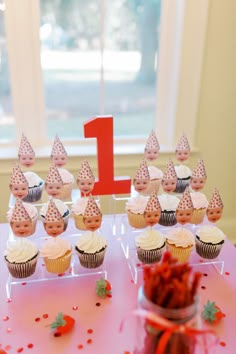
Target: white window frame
182, 39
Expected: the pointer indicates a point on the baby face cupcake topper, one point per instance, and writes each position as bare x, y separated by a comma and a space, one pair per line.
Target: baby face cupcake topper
58, 153
53, 183
184, 210
18, 183
152, 147
21, 222
92, 215
169, 179
152, 212
199, 177
26, 153
182, 151
85, 179
141, 178
215, 207
53, 223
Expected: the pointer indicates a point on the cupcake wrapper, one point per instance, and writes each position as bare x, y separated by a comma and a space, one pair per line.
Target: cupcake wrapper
66, 191
91, 260
34, 194
59, 265
182, 254
206, 250
150, 256
153, 186
181, 185
167, 218
198, 216
136, 220
79, 224
22, 270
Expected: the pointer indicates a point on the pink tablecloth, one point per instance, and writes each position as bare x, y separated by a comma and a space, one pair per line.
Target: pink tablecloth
24, 318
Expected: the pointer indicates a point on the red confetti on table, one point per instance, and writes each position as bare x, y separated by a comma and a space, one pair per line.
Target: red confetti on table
8, 347
109, 295
89, 341
37, 319
9, 330
98, 304
5, 318
24, 283
223, 344
19, 350
90, 330
61, 274
57, 334
75, 308
203, 287
30, 345
45, 315
80, 346
205, 274
126, 352
132, 281
227, 273
9, 300
138, 265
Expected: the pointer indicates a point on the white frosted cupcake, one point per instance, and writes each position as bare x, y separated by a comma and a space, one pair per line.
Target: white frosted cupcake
35, 184
62, 208
169, 204
91, 248
183, 177
21, 258
135, 209
200, 204
57, 254
22, 212
68, 181
155, 179
150, 246
209, 241
180, 242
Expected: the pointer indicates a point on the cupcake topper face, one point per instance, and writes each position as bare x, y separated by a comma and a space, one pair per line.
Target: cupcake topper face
152, 212
53, 183
26, 153
21, 222
92, 215
18, 183
152, 147
184, 210
199, 177
58, 153
53, 223
182, 151
85, 179
141, 178
215, 207
169, 179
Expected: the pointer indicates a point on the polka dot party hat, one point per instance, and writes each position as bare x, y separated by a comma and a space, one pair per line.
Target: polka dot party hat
17, 176
152, 142
199, 171
53, 175
85, 171
19, 212
142, 172
183, 144
170, 171
185, 201
25, 147
216, 201
52, 214
92, 208
153, 203
58, 148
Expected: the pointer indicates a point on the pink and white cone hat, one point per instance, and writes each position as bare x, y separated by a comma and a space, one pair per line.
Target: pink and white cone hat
17, 176
183, 144
216, 201
142, 172
92, 208
53, 214
25, 147
170, 171
152, 142
53, 175
199, 171
19, 212
85, 171
153, 203
185, 201
58, 148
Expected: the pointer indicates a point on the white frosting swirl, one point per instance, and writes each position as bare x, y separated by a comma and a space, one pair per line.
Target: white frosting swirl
66, 176
62, 207
30, 208
180, 237
20, 251
55, 248
136, 205
199, 200
155, 173
150, 240
183, 171
168, 202
91, 242
210, 234
33, 179
80, 204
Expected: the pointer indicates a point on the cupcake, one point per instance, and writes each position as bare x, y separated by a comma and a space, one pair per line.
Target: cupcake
209, 241
182, 151
155, 179
180, 242
169, 204
169, 179
26, 153
54, 183
78, 209
85, 180
135, 209
22, 218
61, 207
18, 183
141, 179
35, 184
56, 254
21, 258
215, 207
152, 147
199, 177
200, 204
150, 246
58, 153
68, 181
184, 209
183, 177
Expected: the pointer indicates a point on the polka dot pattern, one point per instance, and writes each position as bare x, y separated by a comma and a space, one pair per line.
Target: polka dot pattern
53, 213
169, 173
152, 142
153, 203
53, 175
216, 201
85, 172
199, 171
142, 172
25, 146
183, 144
185, 201
58, 148
17, 176
19, 212
92, 208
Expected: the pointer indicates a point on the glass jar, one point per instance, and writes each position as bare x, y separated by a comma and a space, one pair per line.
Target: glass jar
148, 337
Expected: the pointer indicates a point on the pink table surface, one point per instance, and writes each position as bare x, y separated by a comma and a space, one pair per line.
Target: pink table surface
20, 332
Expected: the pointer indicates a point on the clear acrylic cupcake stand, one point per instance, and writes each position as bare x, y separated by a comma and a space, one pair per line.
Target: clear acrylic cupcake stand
71, 234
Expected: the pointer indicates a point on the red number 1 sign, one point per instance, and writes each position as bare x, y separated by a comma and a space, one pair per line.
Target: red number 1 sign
102, 129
